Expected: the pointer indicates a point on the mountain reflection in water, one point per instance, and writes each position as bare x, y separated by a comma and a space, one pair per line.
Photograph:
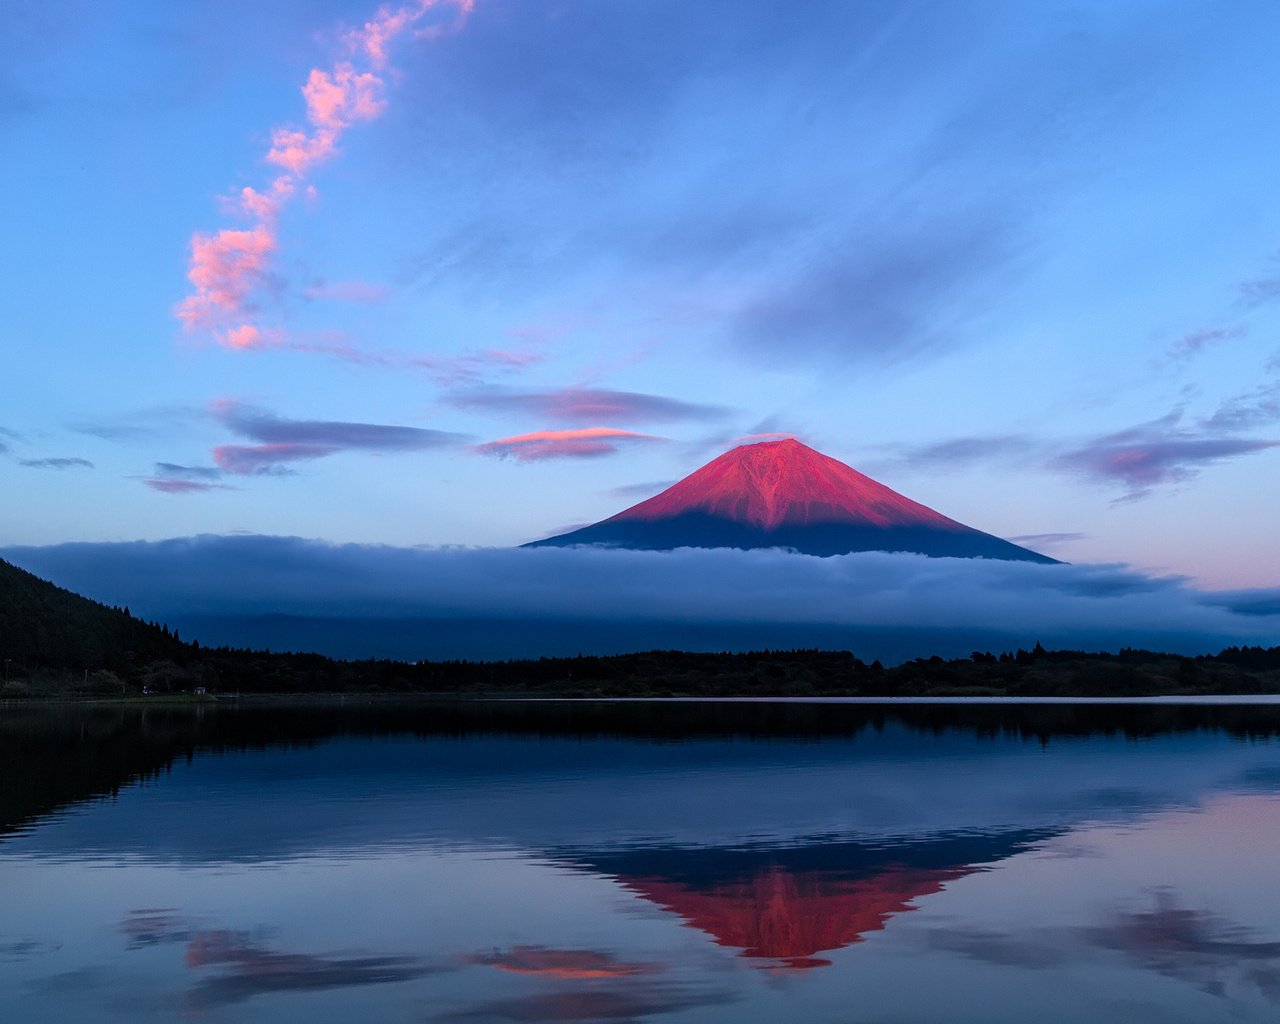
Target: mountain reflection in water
628, 863
786, 905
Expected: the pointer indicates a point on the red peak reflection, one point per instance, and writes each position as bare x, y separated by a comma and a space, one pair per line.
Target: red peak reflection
790, 916
575, 964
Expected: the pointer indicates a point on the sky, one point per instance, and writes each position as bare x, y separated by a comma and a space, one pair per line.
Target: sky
474, 272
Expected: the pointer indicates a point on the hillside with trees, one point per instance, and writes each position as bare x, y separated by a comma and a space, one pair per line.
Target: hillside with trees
48, 633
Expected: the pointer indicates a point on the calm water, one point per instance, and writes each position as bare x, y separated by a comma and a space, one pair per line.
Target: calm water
632, 863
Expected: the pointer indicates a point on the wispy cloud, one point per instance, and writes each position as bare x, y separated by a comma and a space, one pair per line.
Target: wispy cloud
1261, 290
1191, 344
1047, 540
878, 294
229, 267
179, 472
1257, 408
260, 425
167, 486
470, 368
56, 463
172, 478
141, 425
583, 405
1155, 453
964, 451
267, 459
590, 442
280, 441
631, 492
347, 291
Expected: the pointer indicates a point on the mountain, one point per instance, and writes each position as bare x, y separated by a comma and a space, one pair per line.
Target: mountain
785, 494
43, 627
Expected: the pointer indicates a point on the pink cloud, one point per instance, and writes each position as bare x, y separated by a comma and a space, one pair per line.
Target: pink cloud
263, 206
296, 151
338, 97
373, 37
244, 336
561, 444
225, 267
266, 459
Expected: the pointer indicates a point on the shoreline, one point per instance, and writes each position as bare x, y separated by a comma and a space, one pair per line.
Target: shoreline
353, 699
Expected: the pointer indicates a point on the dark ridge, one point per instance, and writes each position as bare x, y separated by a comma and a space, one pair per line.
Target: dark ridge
43, 626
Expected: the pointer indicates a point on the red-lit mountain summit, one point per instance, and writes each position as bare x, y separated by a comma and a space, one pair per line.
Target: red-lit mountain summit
785, 494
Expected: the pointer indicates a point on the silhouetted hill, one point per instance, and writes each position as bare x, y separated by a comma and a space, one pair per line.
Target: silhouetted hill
45, 629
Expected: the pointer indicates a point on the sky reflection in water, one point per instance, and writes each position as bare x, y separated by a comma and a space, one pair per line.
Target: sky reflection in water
895, 873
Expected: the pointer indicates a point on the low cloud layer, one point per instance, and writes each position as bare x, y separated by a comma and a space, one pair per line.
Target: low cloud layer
558, 600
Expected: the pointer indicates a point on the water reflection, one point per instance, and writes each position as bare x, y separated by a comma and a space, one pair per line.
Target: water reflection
1199, 946
567, 964
631, 1003
252, 970
785, 905
409, 869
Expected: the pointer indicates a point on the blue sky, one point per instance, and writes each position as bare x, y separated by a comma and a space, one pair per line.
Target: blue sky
1018, 261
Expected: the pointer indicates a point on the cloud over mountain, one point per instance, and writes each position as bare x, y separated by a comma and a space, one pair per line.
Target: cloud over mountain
570, 600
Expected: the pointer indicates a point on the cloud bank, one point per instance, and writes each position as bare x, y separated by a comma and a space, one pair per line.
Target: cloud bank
498, 602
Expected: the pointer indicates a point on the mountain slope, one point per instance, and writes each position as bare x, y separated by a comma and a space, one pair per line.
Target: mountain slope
43, 626
785, 494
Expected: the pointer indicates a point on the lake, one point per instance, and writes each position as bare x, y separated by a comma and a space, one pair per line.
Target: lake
681, 862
